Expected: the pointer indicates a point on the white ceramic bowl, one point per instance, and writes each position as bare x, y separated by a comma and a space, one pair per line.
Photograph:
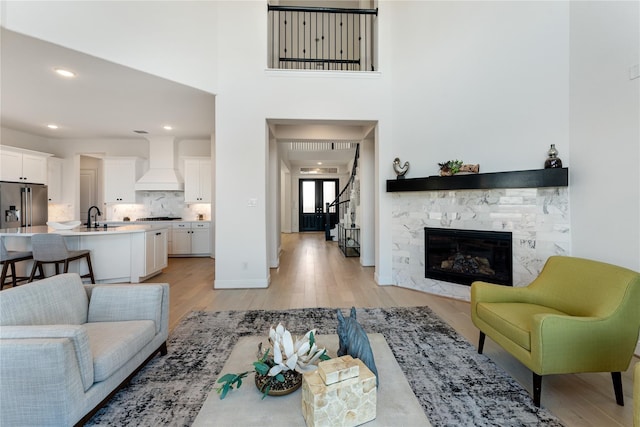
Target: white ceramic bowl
66, 225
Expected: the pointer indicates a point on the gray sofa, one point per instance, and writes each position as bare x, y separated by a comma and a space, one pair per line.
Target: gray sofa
65, 347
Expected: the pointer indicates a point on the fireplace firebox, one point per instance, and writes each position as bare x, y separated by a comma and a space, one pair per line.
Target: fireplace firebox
463, 256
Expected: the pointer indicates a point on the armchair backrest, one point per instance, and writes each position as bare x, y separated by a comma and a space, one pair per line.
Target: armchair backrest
583, 287
56, 300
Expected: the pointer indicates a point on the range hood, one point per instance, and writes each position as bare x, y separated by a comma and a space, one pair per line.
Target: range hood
162, 174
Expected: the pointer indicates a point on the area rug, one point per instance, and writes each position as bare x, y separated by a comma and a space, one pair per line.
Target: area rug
455, 385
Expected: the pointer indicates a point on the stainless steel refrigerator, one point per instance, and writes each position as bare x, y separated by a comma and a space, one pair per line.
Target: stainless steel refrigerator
23, 205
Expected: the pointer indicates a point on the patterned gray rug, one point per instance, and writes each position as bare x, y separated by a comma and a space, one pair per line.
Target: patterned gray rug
455, 385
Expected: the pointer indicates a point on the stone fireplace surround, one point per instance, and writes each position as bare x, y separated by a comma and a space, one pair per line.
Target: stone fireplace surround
538, 217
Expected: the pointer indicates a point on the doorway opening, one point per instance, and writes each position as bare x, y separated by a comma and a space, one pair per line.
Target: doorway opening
314, 195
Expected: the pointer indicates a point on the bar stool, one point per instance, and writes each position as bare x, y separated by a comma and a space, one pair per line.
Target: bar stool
8, 260
51, 249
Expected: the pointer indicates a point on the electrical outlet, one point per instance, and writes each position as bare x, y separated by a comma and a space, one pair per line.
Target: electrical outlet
252, 203
245, 265
634, 71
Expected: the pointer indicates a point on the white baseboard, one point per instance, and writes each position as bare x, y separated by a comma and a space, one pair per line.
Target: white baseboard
241, 284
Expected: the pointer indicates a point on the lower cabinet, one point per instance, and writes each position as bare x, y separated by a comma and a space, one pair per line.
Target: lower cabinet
155, 251
191, 239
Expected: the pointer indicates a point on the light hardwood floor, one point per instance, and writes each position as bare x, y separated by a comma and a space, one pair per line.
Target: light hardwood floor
314, 273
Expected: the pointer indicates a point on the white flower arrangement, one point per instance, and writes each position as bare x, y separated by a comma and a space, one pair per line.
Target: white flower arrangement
301, 355
286, 357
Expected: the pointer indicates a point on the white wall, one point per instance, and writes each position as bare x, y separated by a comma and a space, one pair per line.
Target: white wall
605, 132
483, 82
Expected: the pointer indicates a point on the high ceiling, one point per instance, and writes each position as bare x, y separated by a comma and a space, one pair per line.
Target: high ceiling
104, 100
110, 101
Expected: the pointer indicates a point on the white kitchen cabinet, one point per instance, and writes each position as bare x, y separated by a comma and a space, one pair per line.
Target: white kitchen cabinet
54, 179
120, 176
19, 165
200, 239
197, 180
191, 239
155, 251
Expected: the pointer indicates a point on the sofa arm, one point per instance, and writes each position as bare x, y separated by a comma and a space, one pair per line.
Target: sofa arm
77, 334
42, 370
596, 344
118, 303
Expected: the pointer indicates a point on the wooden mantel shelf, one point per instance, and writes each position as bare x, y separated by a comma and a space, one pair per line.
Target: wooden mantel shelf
516, 179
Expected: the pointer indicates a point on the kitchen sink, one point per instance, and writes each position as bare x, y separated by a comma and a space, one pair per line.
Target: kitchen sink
102, 227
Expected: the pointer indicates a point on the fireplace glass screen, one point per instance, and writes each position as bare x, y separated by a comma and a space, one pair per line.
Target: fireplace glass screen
463, 256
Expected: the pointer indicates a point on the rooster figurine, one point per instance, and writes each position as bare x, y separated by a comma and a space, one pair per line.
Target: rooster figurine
400, 170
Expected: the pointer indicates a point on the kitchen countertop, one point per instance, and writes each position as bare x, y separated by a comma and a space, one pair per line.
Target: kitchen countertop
80, 231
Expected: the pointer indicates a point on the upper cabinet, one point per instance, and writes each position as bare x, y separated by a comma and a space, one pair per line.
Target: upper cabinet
197, 180
120, 176
54, 179
19, 165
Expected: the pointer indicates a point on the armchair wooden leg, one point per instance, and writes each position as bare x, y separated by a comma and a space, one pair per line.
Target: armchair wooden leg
537, 389
617, 387
481, 342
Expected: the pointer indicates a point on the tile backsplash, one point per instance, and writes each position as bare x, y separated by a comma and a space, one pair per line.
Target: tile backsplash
159, 203
154, 203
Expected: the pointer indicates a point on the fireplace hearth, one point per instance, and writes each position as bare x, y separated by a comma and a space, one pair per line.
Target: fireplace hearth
464, 256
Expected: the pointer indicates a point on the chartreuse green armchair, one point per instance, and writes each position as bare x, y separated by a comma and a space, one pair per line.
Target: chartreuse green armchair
577, 316
636, 395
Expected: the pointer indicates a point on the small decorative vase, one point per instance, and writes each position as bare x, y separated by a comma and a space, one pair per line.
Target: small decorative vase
292, 382
553, 161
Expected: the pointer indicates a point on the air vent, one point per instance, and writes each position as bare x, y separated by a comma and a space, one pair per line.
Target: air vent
317, 171
142, 132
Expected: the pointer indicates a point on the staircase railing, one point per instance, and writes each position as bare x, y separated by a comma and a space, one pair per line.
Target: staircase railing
341, 205
322, 38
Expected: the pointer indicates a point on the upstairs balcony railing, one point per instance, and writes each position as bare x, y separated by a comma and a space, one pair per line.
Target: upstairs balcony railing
322, 38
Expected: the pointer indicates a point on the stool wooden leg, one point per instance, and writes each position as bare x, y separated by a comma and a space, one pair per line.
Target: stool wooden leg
14, 282
36, 265
3, 276
93, 280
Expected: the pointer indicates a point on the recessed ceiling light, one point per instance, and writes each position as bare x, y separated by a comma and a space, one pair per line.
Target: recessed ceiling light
64, 73
319, 163
52, 126
167, 127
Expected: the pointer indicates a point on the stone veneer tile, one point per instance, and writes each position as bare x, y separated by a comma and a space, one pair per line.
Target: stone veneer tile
538, 219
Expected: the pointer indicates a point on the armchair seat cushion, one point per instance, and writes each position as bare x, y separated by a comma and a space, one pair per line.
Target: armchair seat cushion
513, 320
113, 344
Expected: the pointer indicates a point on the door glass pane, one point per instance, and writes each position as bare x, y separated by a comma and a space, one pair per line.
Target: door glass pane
308, 197
329, 195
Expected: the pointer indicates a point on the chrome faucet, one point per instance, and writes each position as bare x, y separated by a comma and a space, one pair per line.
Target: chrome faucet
89, 216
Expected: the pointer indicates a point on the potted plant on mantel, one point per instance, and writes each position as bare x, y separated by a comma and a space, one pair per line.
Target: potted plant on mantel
278, 369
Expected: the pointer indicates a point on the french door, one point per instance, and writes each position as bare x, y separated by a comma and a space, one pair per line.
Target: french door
314, 194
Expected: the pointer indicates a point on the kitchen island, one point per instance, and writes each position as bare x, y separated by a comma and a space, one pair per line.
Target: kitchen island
124, 254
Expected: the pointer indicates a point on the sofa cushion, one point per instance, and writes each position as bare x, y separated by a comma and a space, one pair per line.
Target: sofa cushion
111, 303
57, 300
115, 343
513, 320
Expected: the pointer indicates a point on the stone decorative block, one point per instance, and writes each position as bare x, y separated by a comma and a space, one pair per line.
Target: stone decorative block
346, 403
338, 369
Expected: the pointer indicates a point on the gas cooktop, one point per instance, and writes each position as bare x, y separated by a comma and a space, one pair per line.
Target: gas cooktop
158, 218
